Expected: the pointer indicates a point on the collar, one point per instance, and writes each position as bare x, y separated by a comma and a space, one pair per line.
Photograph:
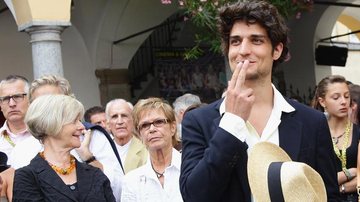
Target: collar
125, 146
175, 163
280, 104
6, 128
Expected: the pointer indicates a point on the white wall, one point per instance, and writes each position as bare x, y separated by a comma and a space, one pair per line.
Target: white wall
352, 69
87, 45
324, 29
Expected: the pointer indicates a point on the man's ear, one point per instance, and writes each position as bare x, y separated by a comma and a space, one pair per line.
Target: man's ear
277, 51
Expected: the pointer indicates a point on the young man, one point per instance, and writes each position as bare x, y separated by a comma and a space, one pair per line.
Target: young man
96, 115
217, 137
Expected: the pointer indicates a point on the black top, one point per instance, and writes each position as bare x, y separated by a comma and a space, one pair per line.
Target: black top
351, 151
39, 182
75, 190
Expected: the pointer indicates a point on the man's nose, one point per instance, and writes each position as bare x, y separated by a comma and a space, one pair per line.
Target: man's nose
12, 102
245, 47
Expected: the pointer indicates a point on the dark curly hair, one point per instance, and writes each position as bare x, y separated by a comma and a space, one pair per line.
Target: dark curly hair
252, 12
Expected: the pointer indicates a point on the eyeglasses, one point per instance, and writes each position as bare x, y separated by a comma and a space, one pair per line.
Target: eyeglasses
17, 98
157, 123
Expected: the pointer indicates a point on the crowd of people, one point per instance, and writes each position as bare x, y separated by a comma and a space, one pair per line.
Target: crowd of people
205, 78
252, 144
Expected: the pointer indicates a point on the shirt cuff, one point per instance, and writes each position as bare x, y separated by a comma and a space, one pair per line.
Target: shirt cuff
234, 125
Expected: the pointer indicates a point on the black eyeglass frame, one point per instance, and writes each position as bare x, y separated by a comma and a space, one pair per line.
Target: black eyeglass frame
16, 97
157, 123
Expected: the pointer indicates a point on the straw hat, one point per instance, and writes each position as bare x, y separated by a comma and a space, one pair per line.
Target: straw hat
294, 181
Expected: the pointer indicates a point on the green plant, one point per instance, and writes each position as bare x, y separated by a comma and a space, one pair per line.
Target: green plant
203, 14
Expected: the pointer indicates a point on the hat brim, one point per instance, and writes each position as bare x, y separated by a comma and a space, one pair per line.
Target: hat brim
298, 180
260, 157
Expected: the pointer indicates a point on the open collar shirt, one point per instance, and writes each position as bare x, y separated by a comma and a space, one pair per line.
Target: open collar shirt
5, 145
245, 132
142, 184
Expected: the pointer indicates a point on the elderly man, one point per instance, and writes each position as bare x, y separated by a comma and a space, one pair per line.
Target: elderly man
181, 104
132, 152
14, 103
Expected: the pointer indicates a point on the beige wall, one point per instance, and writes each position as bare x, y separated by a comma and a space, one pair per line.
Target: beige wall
87, 45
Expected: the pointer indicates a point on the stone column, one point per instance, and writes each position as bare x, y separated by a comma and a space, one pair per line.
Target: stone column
46, 50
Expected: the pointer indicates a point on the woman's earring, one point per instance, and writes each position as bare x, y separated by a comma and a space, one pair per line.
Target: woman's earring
326, 113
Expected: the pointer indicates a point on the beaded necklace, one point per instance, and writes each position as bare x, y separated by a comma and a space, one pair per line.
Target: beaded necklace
342, 155
61, 171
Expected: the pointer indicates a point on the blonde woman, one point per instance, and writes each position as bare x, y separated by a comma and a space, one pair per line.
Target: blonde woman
158, 179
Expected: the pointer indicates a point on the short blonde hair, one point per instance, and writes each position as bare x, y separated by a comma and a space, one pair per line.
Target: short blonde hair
52, 80
47, 114
154, 104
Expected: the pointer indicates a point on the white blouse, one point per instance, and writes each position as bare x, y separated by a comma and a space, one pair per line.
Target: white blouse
142, 184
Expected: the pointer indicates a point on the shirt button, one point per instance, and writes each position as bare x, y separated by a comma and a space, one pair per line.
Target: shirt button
72, 187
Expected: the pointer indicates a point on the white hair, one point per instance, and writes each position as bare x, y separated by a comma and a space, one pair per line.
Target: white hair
185, 101
116, 101
47, 114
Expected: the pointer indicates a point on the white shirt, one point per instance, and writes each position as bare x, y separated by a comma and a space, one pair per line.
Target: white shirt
5, 145
142, 184
123, 150
99, 146
246, 132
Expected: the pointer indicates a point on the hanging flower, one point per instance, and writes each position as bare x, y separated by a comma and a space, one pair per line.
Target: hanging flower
166, 1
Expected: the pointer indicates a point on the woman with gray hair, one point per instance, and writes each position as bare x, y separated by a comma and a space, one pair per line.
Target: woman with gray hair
54, 174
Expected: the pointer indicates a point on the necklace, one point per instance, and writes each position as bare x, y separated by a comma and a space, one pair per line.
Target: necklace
158, 175
7, 138
336, 139
342, 155
59, 170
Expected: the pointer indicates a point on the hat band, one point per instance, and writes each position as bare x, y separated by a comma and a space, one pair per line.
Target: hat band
274, 182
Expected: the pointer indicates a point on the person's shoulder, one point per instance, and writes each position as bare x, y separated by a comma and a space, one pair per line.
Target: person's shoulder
24, 171
304, 109
89, 170
206, 108
135, 173
136, 141
29, 142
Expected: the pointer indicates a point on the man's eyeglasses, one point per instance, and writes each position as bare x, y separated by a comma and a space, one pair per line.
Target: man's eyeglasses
157, 123
17, 98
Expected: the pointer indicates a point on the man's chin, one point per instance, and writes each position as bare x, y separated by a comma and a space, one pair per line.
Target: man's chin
121, 135
15, 118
